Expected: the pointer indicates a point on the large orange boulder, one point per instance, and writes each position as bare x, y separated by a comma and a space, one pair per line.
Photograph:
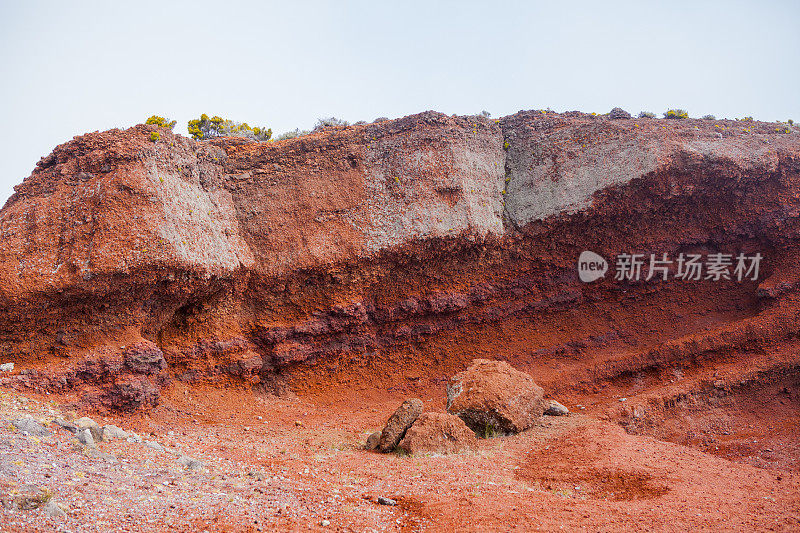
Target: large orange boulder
439, 433
492, 397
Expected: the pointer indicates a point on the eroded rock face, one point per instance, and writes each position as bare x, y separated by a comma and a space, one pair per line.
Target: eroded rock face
247, 261
438, 433
492, 397
398, 424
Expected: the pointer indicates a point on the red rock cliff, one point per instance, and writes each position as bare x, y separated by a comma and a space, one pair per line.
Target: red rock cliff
410, 244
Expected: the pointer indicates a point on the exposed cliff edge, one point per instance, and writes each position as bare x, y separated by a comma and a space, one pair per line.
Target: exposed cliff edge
420, 241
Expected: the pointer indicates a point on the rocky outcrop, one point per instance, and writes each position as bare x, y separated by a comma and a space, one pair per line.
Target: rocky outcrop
246, 261
492, 397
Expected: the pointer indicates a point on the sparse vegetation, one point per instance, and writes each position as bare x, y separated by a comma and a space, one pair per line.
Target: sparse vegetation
676, 114
330, 122
709, 117
400, 452
489, 431
485, 113
380, 119
161, 122
291, 134
155, 136
790, 122
209, 128
647, 114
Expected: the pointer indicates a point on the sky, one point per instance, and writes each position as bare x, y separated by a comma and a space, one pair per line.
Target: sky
67, 68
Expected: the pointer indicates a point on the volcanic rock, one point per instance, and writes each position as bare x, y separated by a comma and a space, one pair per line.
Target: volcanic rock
553, 408
493, 397
439, 433
91, 425
145, 358
398, 424
618, 113
373, 440
30, 426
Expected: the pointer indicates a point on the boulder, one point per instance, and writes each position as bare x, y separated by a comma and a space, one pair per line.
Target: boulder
440, 433
398, 424
492, 397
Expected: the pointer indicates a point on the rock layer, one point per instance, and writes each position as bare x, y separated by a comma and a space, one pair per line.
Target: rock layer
254, 262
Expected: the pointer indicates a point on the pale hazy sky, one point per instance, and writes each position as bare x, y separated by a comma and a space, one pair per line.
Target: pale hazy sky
71, 67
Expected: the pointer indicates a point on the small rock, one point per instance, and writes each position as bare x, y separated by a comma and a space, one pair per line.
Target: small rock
111, 432
134, 438
556, 409
386, 501
325, 523
30, 426
6, 367
85, 437
398, 424
190, 464
91, 425
154, 445
54, 510
372, 441
29, 497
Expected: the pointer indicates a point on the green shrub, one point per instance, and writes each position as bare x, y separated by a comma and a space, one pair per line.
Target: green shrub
676, 114
790, 122
647, 114
489, 431
209, 128
746, 119
161, 122
154, 136
709, 117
